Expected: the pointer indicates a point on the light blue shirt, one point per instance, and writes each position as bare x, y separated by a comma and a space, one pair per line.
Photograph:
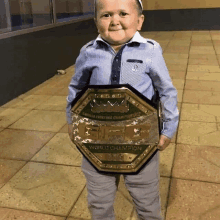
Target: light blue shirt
141, 62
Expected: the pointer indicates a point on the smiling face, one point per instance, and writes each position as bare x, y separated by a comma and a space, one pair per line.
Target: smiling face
118, 20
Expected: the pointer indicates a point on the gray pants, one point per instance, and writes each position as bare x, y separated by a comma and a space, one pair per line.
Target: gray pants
143, 188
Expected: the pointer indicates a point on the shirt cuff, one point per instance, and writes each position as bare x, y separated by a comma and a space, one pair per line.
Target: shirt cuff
166, 128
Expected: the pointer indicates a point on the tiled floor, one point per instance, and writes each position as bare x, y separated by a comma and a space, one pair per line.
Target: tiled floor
40, 175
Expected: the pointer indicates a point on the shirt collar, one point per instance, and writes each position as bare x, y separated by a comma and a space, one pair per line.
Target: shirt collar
136, 38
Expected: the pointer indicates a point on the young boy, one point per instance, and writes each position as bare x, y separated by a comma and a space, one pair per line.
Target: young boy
120, 55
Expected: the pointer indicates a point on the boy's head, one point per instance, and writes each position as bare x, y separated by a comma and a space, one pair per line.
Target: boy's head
118, 20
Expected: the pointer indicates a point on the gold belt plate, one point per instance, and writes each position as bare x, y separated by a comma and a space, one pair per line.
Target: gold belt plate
116, 129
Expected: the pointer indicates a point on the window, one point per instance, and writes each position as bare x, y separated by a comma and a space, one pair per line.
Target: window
23, 14
69, 9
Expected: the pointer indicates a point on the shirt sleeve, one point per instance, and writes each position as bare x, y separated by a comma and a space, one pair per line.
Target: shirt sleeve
79, 80
167, 92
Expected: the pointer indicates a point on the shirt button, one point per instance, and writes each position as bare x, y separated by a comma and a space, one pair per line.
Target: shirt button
114, 78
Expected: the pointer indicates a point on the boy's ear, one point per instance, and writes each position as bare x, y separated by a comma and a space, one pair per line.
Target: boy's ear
140, 22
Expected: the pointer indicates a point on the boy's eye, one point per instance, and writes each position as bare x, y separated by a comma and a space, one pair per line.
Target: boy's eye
124, 13
106, 15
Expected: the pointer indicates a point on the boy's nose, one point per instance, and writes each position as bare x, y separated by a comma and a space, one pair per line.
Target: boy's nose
115, 20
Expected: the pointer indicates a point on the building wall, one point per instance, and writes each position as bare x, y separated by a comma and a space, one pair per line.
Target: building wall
181, 15
28, 60
179, 4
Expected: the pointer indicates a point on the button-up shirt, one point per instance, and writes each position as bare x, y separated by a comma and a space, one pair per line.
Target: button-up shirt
141, 64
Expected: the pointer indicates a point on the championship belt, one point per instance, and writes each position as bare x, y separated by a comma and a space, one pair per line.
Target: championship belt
115, 127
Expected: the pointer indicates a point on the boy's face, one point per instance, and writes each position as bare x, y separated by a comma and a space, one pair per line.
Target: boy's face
118, 20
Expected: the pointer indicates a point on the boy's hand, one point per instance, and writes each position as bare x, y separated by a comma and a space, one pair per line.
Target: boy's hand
163, 143
70, 131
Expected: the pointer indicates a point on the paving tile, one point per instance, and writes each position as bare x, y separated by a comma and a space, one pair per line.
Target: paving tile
193, 200
176, 67
166, 160
211, 109
198, 112
179, 95
178, 83
213, 62
202, 85
173, 140
80, 209
176, 42
213, 32
201, 50
203, 76
22, 96
8, 168
158, 38
70, 69
201, 97
64, 129
164, 188
202, 56
182, 34
177, 61
216, 42
163, 46
59, 150
177, 74
217, 49
202, 43
165, 42
200, 32
35, 89
198, 133
200, 163
41, 120
61, 82
148, 35
177, 49
62, 92
166, 33
47, 90
29, 102
10, 115
54, 103
10, 214
201, 37
215, 37
175, 56
20, 144
45, 188
203, 68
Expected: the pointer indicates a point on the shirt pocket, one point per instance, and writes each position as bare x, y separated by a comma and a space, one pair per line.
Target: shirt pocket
133, 72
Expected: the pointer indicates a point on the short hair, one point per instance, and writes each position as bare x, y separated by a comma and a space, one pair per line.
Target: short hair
139, 8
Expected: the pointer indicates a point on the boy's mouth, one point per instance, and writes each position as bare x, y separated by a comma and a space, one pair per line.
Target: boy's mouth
115, 29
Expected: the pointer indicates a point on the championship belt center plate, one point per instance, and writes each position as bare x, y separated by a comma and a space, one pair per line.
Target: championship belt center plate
115, 127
